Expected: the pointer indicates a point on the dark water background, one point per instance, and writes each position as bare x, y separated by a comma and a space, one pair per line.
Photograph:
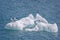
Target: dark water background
49, 9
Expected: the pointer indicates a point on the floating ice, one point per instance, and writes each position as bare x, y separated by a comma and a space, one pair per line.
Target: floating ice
40, 18
47, 27
38, 24
21, 24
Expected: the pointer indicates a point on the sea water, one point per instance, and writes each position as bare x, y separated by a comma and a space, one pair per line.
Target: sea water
49, 9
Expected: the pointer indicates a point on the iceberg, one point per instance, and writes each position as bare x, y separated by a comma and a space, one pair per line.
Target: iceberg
20, 24
41, 24
47, 27
39, 18
31, 23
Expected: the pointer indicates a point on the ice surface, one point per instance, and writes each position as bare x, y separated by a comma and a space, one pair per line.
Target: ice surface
39, 18
40, 24
20, 24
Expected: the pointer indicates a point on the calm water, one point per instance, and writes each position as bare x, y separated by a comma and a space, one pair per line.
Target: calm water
49, 9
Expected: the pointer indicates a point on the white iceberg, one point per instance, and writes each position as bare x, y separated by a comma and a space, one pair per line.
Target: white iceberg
39, 18
20, 24
40, 24
44, 27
